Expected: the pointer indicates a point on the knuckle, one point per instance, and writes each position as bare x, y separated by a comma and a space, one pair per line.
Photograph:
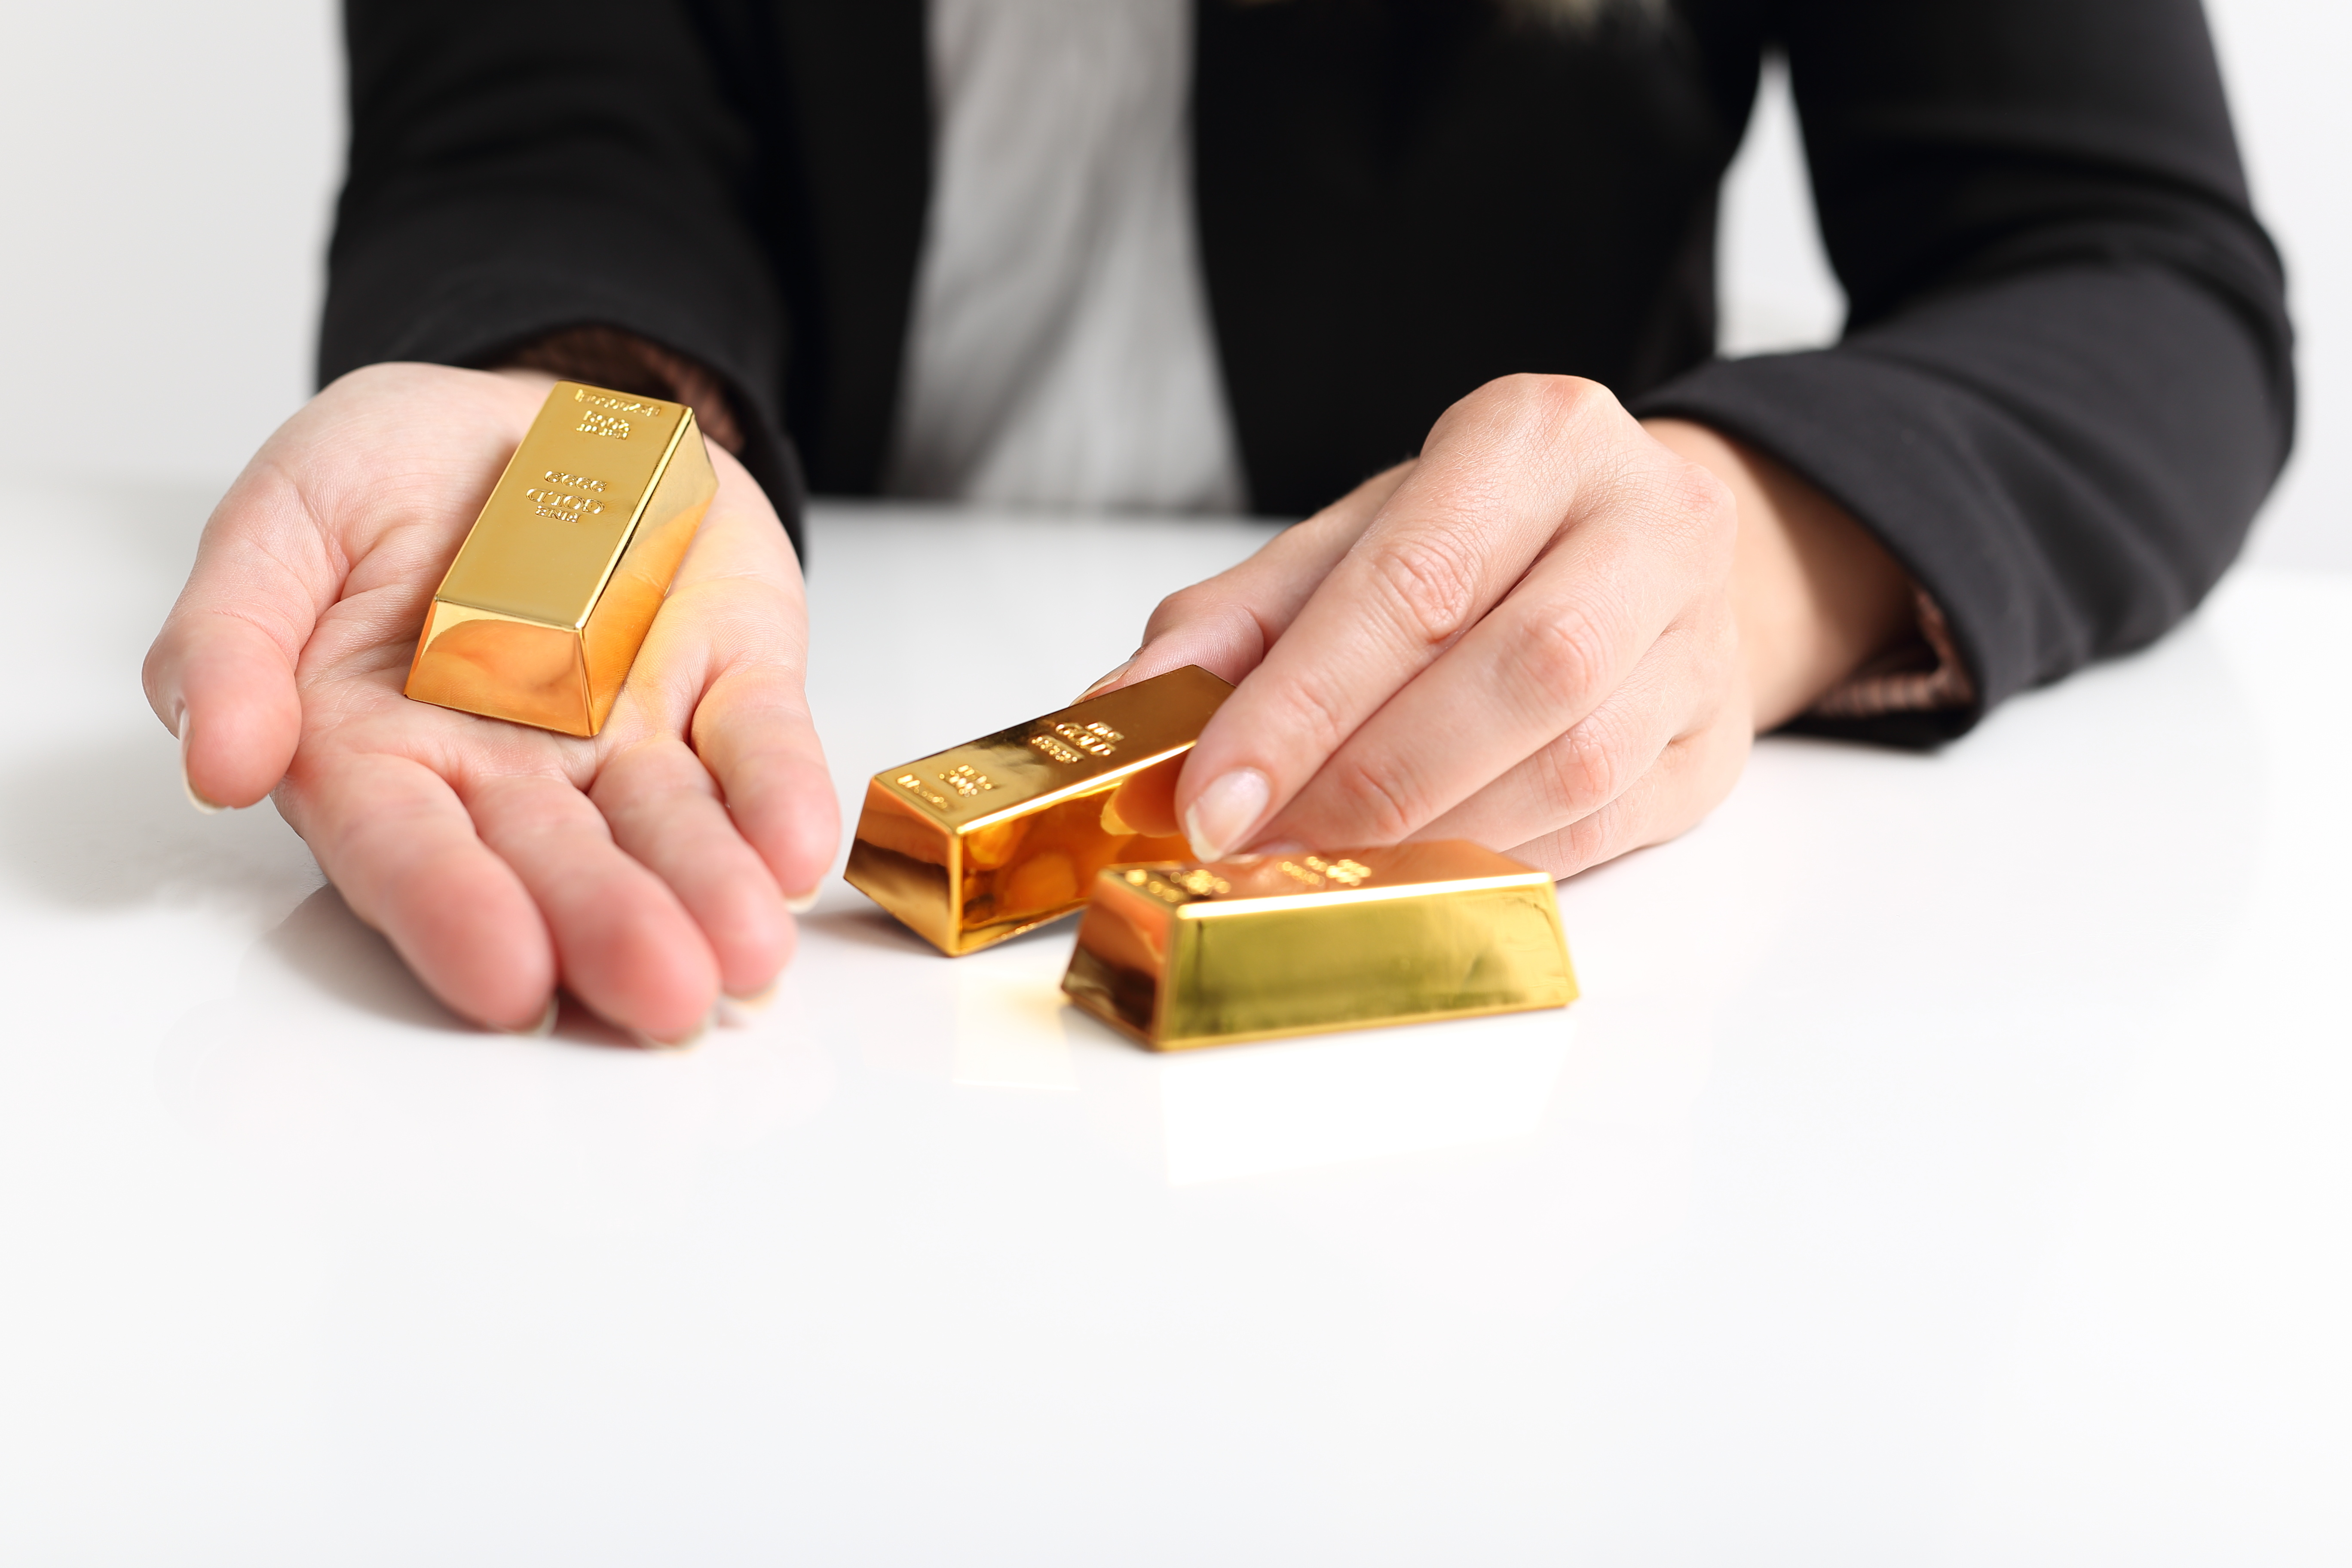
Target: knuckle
1718, 653
1554, 401
1594, 839
1700, 505
1702, 493
1431, 578
1585, 770
1548, 855
1577, 846
1529, 405
1183, 605
1319, 714
1179, 608
1213, 616
1569, 428
1567, 656
1380, 808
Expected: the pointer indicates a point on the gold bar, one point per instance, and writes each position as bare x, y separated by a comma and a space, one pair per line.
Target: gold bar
984, 841
542, 613
1263, 945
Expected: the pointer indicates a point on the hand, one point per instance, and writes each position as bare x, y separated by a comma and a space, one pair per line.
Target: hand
645, 869
1537, 635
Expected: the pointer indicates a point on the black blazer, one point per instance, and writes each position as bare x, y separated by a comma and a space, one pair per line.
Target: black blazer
2065, 385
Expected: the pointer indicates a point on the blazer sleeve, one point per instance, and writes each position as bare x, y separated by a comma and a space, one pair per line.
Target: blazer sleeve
521, 166
2066, 381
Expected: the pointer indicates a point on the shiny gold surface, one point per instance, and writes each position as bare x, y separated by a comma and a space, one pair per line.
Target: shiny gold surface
1189, 955
984, 841
541, 614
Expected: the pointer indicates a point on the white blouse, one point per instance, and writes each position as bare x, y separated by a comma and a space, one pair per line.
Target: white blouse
1060, 353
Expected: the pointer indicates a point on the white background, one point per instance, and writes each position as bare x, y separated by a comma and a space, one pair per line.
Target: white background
170, 169
1835, 1226
2006, 1233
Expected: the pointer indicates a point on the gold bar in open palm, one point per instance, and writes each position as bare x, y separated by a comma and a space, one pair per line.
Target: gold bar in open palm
541, 614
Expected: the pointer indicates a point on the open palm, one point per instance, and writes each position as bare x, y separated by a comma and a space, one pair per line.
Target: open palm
645, 869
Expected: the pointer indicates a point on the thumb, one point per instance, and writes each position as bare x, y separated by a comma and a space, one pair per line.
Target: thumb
221, 673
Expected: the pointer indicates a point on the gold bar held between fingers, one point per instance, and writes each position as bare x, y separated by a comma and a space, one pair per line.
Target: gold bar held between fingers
990, 838
542, 612
1263, 945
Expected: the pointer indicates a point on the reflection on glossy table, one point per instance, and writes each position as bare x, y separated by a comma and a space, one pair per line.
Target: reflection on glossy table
1950, 1162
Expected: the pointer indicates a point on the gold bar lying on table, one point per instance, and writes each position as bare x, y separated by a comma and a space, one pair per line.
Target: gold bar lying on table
1263, 945
542, 613
982, 842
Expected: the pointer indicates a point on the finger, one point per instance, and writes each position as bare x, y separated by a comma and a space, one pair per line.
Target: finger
396, 841
1146, 802
1670, 696
754, 734
360, 498
624, 943
1685, 783
1615, 639
221, 672
734, 639
1501, 476
1225, 624
665, 812
751, 725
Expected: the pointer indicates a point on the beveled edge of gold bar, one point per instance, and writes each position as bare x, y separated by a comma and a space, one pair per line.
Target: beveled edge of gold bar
1297, 1031
1184, 893
668, 520
1205, 691
899, 883
1196, 692
431, 680
663, 466
1204, 890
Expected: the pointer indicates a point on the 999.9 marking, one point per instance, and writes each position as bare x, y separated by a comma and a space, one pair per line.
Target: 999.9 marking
1314, 871
911, 782
1199, 883
1092, 740
966, 779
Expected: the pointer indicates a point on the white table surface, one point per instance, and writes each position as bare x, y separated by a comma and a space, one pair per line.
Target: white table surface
1950, 1163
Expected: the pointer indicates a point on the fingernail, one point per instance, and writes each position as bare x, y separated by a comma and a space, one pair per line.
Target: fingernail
737, 1012
209, 808
806, 902
1222, 817
534, 1031
1113, 823
649, 1042
1106, 679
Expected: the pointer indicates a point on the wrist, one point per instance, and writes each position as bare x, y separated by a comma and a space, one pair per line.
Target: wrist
1815, 596
610, 357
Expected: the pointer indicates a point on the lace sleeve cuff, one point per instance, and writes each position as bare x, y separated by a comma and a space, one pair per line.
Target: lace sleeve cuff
609, 357
1922, 674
